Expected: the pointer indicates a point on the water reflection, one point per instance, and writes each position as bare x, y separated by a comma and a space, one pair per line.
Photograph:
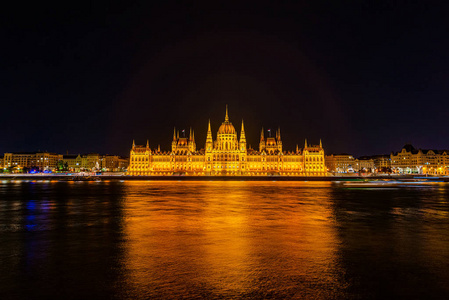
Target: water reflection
395, 244
231, 239
302, 240
58, 240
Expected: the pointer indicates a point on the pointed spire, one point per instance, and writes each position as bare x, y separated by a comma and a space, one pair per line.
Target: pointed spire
209, 134
158, 148
174, 133
278, 134
226, 117
190, 134
261, 135
321, 144
148, 144
134, 144
242, 133
193, 135
305, 144
297, 148
177, 135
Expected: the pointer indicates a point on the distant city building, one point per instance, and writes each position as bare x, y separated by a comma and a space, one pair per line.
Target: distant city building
341, 163
346, 163
365, 164
113, 163
418, 161
227, 155
74, 163
95, 161
39, 160
382, 162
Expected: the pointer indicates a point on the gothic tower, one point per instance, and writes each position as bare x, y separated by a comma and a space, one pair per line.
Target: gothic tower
278, 139
262, 141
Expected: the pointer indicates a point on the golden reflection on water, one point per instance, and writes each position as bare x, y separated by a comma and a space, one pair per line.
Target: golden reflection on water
230, 239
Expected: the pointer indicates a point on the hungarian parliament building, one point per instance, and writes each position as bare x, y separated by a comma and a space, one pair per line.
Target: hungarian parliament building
227, 156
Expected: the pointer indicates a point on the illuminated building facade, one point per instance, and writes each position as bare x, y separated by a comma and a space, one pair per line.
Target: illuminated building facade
39, 160
95, 161
341, 163
418, 161
227, 155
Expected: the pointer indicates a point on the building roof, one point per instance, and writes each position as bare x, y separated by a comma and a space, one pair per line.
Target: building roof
410, 148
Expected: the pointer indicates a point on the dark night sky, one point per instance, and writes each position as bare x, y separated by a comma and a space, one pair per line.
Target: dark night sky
366, 76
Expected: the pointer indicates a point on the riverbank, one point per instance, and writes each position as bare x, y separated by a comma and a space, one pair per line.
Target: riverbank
64, 177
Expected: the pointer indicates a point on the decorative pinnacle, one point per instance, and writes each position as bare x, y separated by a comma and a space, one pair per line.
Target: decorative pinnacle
242, 133
226, 117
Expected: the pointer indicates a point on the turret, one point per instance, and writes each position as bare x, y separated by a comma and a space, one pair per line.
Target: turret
242, 143
278, 139
192, 144
262, 141
175, 141
209, 141
305, 144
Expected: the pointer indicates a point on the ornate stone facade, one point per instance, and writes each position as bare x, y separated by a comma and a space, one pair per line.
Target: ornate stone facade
227, 156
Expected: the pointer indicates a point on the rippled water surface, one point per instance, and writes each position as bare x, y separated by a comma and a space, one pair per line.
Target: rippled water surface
305, 240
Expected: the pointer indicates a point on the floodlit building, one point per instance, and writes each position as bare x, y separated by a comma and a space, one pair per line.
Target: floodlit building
382, 162
94, 161
418, 161
113, 163
38, 160
341, 163
227, 155
74, 162
365, 164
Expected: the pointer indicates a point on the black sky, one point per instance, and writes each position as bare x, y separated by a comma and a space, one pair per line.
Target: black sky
366, 77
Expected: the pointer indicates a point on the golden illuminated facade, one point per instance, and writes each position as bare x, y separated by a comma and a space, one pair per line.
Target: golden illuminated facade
227, 156
419, 161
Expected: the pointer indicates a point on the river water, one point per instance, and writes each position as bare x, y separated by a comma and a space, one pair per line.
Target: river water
219, 240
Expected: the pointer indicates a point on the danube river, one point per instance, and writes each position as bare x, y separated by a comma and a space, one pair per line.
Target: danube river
240, 240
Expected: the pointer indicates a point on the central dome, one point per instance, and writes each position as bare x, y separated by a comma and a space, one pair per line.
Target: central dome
226, 127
